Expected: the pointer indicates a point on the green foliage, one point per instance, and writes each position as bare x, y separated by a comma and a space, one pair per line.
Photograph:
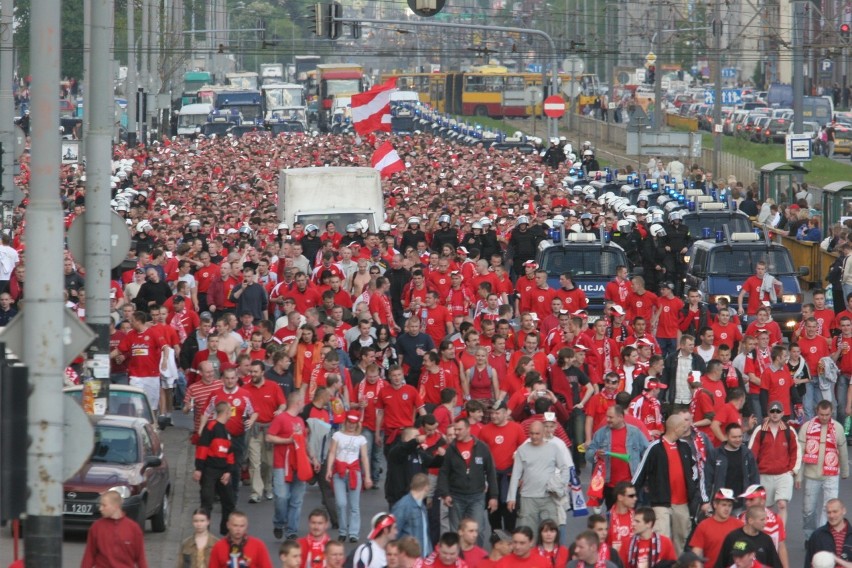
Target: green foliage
71, 42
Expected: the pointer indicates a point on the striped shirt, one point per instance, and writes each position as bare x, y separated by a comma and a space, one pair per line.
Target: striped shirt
197, 398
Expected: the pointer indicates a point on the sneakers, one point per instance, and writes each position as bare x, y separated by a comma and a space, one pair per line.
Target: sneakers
254, 499
341, 538
353, 539
278, 533
268, 496
292, 536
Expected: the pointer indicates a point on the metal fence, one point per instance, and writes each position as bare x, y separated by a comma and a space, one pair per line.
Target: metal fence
729, 164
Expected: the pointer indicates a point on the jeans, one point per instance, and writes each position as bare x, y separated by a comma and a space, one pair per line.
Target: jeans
180, 389
667, 345
809, 401
469, 506
829, 486
288, 502
377, 457
847, 289
841, 388
344, 496
754, 401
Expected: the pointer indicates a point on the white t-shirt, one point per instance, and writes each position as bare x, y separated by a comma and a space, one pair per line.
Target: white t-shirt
363, 559
348, 446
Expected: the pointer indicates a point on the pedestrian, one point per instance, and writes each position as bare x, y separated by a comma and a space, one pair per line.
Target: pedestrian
447, 554
411, 513
733, 466
773, 525
290, 554
268, 400
250, 297
834, 537
672, 480
287, 433
775, 447
611, 444
238, 548
195, 549
214, 463
349, 470
524, 552
536, 466
825, 461
397, 406
114, 539
758, 541
503, 437
371, 554
467, 478
678, 368
335, 555
313, 545
586, 552
547, 543
647, 546
708, 536
469, 551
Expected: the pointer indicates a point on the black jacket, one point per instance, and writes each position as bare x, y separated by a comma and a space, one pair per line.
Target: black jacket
670, 371
448, 236
405, 459
490, 245
459, 478
716, 468
411, 238
523, 245
653, 476
821, 539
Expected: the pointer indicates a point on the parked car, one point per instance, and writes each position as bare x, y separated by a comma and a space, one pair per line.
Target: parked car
123, 400
843, 140
127, 458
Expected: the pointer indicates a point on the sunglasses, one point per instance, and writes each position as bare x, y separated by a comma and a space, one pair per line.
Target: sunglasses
776, 411
630, 495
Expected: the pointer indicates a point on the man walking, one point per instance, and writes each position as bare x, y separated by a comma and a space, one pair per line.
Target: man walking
114, 539
466, 475
286, 431
267, 398
825, 461
536, 463
733, 466
776, 449
617, 437
835, 536
711, 532
214, 464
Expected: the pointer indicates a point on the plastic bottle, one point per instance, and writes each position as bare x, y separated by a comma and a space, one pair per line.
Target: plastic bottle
847, 425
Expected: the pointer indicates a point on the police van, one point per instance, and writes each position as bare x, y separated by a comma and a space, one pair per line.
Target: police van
704, 217
719, 267
588, 257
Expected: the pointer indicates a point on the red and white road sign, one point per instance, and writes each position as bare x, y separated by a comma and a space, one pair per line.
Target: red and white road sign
554, 106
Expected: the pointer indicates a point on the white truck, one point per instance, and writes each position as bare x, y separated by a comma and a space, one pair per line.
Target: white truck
191, 117
340, 194
271, 73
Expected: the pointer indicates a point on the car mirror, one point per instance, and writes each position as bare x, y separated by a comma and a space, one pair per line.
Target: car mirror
153, 461
804, 271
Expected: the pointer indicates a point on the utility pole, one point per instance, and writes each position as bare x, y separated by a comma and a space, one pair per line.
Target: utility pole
86, 83
7, 101
43, 321
98, 227
716, 30
144, 80
130, 83
658, 75
798, 64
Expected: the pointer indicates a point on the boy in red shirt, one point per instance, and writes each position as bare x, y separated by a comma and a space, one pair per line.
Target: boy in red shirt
647, 547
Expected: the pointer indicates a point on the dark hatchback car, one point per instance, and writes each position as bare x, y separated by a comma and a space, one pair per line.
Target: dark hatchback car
127, 458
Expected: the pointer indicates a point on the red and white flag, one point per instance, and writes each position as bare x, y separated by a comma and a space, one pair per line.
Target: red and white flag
371, 109
386, 160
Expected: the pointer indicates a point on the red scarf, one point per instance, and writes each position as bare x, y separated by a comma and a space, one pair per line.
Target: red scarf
700, 448
653, 554
362, 392
831, 459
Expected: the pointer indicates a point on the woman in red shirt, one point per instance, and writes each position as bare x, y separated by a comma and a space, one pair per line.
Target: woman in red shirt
305, 353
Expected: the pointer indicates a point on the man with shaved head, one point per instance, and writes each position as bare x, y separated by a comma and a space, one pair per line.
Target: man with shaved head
673, 481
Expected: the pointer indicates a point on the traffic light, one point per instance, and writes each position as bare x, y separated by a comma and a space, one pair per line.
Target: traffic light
14, 439
319, 20
844, 32
335, 26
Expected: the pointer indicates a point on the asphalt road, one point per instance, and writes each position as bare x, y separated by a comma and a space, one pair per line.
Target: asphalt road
162, 549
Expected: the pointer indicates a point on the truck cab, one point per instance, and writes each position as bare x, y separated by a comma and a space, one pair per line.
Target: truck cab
720, 267
590, 260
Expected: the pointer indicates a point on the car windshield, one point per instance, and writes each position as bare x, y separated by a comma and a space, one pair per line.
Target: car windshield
589, 262
697, 224
123, 403
741, 262
114, 444
340, 220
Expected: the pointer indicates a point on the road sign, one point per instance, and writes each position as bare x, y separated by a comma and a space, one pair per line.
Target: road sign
534, 95
534, 68
826, 67
798, 147
729, 72
573, 65
119, 239
729, 96
76, 336
78, 437
554, 106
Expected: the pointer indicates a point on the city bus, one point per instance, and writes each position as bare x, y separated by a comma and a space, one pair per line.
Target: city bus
430, 87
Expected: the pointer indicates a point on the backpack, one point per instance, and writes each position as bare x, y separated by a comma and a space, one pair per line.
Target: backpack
350, 561
786, 435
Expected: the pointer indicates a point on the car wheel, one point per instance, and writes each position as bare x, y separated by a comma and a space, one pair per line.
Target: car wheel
160, 520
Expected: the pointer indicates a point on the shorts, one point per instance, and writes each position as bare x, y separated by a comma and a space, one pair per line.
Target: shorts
167, 382
778, 487
151, 386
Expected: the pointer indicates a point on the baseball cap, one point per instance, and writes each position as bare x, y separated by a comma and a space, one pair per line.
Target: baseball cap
380, 522
753, 491
532, 263
669, 285
617, 309
723, 493
550, 417
500, 536
688, 557
651, 383
353, 417
741, 548
580, 347
775, 405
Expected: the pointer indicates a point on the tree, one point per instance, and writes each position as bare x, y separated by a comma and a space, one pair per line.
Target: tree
71, 42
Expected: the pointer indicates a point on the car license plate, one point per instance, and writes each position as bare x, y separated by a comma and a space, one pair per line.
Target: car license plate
83, 509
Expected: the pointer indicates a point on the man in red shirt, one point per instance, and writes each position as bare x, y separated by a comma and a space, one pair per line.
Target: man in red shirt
145, 354
647, 547
618, 289
267, 398
288, 434
380, 305
777, 381
503, 437
542, 295
725, 331
641, 302
524, 552
204, 276
664, 325
439, 321
396, 407
814, 346
313, 544
756, 362
573, 298
730, 413
824, 316
238, 546
710, 533
596, 408
219, 294
621, 516
751, 287
764, 322
303, 295
525, 286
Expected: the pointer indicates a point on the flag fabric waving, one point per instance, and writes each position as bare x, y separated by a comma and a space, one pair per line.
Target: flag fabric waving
371, 109
386, 160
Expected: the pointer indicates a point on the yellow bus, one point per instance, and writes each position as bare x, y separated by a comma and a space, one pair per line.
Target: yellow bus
429, 86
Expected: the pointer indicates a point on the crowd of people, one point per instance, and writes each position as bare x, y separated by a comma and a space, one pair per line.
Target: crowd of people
429, 358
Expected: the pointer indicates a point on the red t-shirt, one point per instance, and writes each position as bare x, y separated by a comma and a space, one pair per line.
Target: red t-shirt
573, 299
444, 417
466, 450
503, 441
143, 351
596, 408
778, 383
620, 528
717, 389
643, 551
399, 406
284, 426
641, 305
313, 550
709, 535
619, 470
676, 478
437, 319
534, 560
667, 324
812, 351
728, 414
752, 288
728, 335
265, 399
825, 321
